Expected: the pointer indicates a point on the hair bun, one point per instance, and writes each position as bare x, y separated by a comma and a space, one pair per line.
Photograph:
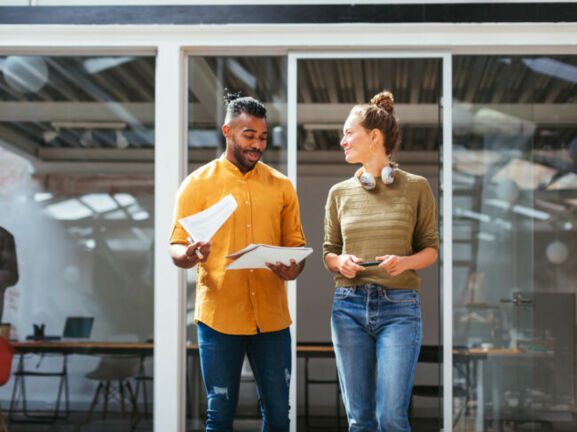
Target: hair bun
230, 96
384, 100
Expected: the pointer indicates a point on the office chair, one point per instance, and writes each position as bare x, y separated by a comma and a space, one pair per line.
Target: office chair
6, 356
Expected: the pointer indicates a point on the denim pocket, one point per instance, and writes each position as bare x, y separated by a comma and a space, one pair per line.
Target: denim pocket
342, 293
401, 296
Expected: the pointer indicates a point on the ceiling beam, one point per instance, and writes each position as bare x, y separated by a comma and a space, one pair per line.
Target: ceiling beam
425, 114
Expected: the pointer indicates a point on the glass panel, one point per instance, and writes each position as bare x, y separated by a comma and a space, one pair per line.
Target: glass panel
264, 78
327, 90
515, 193
77, 195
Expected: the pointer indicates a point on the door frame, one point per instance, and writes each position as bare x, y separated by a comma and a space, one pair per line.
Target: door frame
446, 169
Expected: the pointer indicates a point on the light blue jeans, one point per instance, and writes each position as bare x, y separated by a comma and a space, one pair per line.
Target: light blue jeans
377, 334
221, 358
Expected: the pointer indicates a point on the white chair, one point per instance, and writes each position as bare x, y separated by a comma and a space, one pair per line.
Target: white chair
113, 374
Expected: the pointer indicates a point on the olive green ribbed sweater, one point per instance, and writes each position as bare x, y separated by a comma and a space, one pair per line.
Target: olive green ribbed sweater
398, 219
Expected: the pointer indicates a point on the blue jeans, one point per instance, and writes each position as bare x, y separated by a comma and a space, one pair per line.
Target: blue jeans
377, 334
221, 358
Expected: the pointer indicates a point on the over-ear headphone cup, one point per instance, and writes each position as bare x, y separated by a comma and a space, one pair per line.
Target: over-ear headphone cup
387, 175
367, 181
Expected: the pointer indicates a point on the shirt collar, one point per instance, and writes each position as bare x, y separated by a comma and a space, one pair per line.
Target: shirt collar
234, 169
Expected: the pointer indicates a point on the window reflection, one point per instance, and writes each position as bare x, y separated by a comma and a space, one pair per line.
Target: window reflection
77, 193
514, 230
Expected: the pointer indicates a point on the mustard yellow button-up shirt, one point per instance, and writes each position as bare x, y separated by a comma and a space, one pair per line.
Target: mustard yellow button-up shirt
241, 302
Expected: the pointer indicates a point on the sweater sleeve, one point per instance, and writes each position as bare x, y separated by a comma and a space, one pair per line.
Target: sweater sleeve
333, 241
426, 233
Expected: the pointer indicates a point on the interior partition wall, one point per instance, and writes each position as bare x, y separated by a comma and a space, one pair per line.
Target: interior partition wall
77, 195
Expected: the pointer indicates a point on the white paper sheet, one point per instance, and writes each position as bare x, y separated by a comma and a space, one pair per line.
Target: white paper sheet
203, 225
255, 256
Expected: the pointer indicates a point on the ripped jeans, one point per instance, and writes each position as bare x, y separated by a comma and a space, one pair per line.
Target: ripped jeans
221, 358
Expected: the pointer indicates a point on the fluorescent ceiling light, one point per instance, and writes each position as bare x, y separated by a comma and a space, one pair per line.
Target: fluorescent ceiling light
519, 209
528, 175
70, 209
100, 203
88, 243
490, 121
124, 199
554, 68
42, 196
475, 162
504, 205
115, 215
486, 236
123, 244
99, 64
472, 215
531, 212
568, 181
140, 215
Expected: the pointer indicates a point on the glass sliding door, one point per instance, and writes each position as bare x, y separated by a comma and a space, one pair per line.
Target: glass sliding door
515, 207
328, 86
210, 78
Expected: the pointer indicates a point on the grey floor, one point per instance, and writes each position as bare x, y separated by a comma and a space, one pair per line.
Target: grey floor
114, 423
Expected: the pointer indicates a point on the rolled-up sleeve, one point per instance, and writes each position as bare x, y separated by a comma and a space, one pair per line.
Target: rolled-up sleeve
426, 233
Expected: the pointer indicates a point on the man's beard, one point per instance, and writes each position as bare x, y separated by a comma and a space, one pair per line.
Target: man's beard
239, 155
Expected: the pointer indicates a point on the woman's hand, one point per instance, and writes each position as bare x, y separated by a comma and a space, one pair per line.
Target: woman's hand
393, 264
347, 265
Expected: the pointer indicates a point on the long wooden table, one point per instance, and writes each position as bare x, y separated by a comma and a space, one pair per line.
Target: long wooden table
66, 348
304, 350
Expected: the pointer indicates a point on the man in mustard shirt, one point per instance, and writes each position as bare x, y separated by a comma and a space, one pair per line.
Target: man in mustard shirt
242, 312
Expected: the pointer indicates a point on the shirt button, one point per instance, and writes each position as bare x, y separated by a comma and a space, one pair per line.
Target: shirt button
253, 293
246, 202
251, 270
248, 225
244, 182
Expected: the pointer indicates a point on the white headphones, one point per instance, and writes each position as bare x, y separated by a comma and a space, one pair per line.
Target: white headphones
368, 181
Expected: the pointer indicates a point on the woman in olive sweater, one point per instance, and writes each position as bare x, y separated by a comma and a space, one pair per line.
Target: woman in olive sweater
380, 226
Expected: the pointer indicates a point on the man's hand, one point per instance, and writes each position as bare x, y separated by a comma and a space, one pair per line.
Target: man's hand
187, 256
285, 272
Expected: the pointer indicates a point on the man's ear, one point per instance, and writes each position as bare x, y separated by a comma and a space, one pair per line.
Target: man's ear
226, 130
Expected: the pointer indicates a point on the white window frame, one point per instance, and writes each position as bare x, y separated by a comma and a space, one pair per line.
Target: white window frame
172, 42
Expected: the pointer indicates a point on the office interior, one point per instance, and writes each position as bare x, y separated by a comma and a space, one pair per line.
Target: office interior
77, 187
